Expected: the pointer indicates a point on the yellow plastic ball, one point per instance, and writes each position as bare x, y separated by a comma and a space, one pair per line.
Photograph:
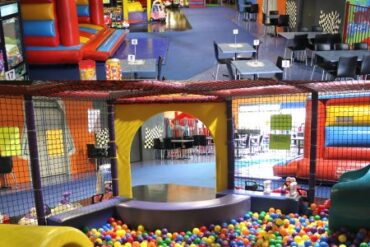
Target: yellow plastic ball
117, 244
196, 230
140, 228
158, 232
342, 238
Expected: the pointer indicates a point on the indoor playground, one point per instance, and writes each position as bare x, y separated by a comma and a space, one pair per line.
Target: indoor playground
224, 164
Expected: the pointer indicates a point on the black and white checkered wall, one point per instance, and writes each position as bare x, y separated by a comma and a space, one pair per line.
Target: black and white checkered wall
102, 138
292, 11
330, 21
150, 134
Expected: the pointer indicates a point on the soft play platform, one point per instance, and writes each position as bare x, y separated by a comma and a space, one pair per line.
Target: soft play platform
343, 139
350, 203
175, 216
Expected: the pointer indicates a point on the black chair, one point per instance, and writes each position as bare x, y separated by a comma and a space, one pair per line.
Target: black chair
188, 146
240, 8
253, 11
319, 39
283, 21
169, 147
320, 62
246, 56
158, 146
230, 71
299, 45
360, 46
274, 21
279, 64
159, 67
364, 70
341, 46
201, 141
266, 23
303, 29
335, 38
219, 60
253, 186
317, 29
6, 167
346, 68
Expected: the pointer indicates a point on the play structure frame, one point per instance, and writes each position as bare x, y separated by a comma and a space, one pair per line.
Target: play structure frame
209, 101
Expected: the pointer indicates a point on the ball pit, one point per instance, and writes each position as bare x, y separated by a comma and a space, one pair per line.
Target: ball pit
265, 229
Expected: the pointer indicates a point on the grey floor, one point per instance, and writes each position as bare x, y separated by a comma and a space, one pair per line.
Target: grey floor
270, 48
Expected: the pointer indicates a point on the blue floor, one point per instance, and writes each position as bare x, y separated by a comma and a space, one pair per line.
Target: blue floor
146, 47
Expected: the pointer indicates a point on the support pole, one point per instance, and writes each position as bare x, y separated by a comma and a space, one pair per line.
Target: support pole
230, 145
112, 147
313, 144
34, 160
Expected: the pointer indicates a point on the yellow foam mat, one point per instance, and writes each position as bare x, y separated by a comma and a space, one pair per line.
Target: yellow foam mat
82, 2
39, 11
83, 39
92, 26
45, 236
347, 115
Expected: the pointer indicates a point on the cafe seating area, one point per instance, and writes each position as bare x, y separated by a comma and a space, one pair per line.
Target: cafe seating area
183, 147
324, 50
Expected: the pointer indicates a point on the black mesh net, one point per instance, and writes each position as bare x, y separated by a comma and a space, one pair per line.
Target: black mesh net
72, 142
273, 144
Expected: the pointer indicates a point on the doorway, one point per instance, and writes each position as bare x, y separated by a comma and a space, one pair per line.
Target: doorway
51, 138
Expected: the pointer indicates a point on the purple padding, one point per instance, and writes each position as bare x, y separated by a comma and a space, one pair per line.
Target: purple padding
94, 215
146, 48
177, 216
262, 202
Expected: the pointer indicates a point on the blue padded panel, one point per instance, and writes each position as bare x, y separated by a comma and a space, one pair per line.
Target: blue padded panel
39, 28
347, 136
53, 48
88, 30
83, 10
111, 41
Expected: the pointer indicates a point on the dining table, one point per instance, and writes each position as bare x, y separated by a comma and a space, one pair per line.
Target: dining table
139, 66
236, 48
255, 68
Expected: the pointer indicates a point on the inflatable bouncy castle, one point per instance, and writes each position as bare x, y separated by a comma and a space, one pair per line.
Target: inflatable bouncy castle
66, 31
343, 139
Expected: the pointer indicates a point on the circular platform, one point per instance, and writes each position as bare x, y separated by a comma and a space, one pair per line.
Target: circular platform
172, 193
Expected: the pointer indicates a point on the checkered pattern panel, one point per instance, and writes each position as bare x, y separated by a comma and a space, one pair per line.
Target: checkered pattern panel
291, 10
330, 22
151, 134
102, 138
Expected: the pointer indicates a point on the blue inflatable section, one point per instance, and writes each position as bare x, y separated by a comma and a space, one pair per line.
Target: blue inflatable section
347, 136
111, 41
53, 48
39, 28
83, 10
88, 30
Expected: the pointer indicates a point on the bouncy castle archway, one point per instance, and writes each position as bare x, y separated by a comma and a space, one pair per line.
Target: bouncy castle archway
129, 118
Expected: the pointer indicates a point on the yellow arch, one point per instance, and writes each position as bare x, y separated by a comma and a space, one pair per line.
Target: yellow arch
129, 118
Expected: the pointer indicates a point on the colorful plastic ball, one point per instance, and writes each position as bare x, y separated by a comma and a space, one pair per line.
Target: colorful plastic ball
342, 238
